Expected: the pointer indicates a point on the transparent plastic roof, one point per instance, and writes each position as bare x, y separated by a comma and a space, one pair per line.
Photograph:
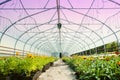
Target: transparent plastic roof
31, 25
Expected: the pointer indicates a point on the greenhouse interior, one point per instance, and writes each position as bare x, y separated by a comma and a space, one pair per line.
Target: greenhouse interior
40, 36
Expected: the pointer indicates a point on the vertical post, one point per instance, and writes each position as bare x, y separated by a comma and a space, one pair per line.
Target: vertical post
60, 56
58, 9
59, 25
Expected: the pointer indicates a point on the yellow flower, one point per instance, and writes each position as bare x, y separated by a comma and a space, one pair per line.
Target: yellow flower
91, 58
107, 59
30, 55
17, 53
83, 57
43, 56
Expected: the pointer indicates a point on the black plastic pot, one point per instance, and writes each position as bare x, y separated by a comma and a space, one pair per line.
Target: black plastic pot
46, 67
77, 74
38, 73
4, 77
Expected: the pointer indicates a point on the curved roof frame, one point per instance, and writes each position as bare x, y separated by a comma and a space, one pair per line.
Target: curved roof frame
43, 43
29, 30
50, 9
28, 39
33, 37
99, 22
68, 38
37, 26
46, 48
21, 20
85, 36
39, 39
85, 15
78, 42
92, 31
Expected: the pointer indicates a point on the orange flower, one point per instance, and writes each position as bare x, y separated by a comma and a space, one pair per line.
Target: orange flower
118, 63
117, 53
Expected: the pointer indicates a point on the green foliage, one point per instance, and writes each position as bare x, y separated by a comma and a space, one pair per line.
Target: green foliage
23, 65
90, 68
110, 47
2, 62
10, 65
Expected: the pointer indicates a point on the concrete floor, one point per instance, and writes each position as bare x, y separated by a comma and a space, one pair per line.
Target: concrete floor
59, 71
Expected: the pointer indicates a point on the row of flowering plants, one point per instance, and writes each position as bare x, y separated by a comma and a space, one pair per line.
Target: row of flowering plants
23, 65
95, 68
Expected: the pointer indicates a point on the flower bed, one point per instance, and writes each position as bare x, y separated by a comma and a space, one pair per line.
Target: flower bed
15, 68
90, 68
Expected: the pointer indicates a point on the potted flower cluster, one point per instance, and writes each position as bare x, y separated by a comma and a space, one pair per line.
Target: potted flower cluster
95, 68
19, 68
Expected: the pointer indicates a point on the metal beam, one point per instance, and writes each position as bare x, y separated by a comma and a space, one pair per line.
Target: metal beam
3, 2
21, 20
114, 2
60, 8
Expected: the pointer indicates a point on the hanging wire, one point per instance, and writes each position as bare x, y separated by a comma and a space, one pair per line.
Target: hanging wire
86, 13
33, 18
114, 2
65, 16
46, 3
3, 2
28, 14
70, 3
52, 16
85, 16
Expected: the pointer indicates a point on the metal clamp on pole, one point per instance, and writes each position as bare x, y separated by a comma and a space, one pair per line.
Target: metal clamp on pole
59, 25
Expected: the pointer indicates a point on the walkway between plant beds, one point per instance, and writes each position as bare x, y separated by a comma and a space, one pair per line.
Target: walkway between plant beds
59, 71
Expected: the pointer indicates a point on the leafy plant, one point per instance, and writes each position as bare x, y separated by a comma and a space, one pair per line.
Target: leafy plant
90, 68
25, 65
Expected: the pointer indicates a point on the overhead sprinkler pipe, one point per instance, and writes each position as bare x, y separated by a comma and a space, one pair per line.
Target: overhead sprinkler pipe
58, 9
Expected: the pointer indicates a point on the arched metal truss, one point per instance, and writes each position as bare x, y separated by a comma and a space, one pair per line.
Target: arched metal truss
86, 25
